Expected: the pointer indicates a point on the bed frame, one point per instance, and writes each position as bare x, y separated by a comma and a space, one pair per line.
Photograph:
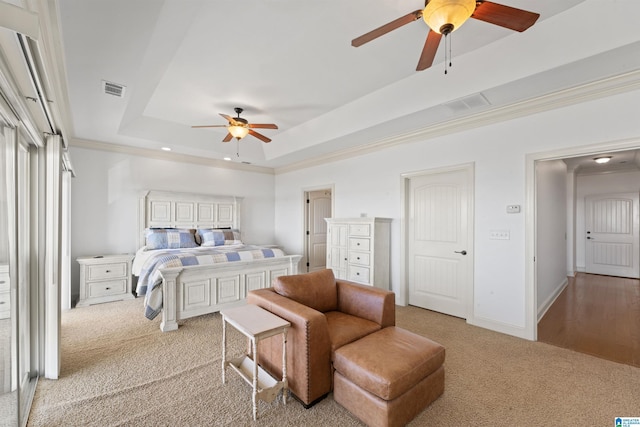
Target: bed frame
201, 289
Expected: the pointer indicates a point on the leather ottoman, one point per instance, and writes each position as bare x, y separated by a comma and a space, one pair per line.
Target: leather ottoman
389, 376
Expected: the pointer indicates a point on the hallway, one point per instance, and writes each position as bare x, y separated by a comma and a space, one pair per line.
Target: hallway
597, 315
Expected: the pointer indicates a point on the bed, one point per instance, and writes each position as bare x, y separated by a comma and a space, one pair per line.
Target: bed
192, 260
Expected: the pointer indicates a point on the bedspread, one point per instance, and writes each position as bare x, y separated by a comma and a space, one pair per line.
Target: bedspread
150, 280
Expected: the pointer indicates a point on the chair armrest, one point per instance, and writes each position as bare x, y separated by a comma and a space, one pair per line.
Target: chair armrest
308, 345
367, 302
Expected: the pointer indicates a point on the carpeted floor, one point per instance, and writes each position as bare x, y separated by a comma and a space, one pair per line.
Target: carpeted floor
119, 369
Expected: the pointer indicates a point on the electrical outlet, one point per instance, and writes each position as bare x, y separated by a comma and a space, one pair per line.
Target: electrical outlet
499, 235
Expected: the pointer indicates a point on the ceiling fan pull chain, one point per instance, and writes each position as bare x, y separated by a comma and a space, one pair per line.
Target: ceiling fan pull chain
450, 41
446, 61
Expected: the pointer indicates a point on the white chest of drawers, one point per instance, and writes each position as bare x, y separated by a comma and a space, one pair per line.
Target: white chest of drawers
104, 278
358, 249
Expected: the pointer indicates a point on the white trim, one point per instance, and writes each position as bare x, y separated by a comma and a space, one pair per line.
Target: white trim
20, 20
551, 299
493, 325
52, 257
622, 83
162, 155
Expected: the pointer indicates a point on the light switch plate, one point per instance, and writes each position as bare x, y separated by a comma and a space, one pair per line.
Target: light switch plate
499, 235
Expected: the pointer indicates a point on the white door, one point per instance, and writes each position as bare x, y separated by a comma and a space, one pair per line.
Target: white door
318, 208
439, 241
612, 238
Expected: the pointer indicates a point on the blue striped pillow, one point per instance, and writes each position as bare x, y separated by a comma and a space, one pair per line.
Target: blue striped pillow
218, 237
170, 238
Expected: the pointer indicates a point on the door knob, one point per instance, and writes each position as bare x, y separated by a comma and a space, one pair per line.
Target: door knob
463, 252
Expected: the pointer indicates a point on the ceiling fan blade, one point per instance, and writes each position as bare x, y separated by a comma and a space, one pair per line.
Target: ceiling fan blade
263, 126
227, 138
228, 118
505, 16
380, 31
259, 136
210, 126
429, 50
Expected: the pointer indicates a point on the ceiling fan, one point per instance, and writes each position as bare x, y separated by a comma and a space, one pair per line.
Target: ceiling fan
445, 16
239, 128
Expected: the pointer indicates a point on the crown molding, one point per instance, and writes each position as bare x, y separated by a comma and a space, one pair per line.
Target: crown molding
610, 86
162, 155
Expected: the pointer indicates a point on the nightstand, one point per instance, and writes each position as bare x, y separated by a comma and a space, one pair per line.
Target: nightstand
104, 278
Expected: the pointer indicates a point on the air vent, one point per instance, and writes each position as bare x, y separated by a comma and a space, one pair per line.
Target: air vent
467, 103
114, 89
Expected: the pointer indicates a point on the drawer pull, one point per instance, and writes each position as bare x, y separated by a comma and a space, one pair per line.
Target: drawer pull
357, 274
108, 271
107, 288
2, 282
358, 244
2, 302
357, 258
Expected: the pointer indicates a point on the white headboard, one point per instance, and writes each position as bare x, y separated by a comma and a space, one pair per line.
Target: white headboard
166, 209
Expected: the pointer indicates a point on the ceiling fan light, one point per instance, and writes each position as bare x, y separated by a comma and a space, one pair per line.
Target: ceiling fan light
446, 16
238, 132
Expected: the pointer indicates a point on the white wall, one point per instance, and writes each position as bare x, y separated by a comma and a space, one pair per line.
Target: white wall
587, 185
551, 220
104, 207
371, 184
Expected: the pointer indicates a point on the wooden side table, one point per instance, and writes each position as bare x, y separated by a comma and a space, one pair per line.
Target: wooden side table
256, 324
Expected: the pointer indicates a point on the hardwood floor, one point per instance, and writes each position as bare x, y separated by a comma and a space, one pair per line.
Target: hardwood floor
597, 315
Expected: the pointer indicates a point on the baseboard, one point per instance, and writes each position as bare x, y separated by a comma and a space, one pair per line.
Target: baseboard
552, 298
504, 328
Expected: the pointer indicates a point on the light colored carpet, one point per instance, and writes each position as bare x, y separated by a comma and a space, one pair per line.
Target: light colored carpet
119, 369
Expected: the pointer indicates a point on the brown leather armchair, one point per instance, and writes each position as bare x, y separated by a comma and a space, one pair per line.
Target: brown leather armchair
325, 314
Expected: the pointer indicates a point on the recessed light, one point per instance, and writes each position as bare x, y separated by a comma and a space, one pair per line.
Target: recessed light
228, 159
603, 159
166, 149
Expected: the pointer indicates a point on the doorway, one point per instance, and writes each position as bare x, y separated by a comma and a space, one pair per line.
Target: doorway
574, 242
439, 239
318, 206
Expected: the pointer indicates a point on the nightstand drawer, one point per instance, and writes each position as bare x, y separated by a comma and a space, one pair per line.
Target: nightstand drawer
107, 288
360, 258
106, 271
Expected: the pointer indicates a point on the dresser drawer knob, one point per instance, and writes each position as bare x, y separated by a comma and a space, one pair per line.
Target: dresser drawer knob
108, 271
2, 282
2, 302
107, 288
